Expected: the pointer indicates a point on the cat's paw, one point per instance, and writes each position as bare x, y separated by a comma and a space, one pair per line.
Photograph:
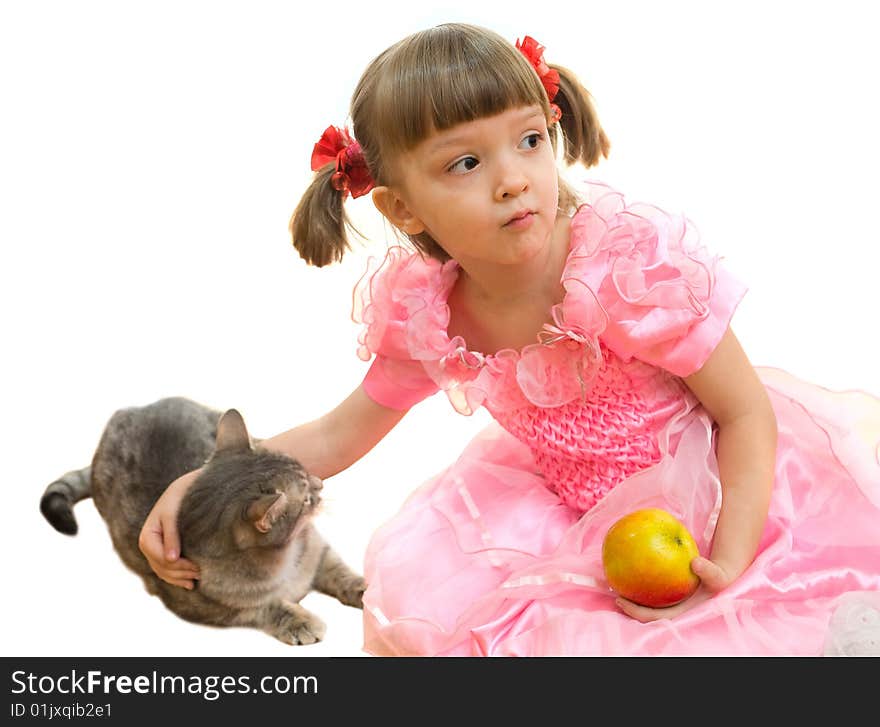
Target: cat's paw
301, 628
353, 593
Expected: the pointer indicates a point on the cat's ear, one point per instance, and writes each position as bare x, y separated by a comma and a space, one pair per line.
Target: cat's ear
232, 434
264, 511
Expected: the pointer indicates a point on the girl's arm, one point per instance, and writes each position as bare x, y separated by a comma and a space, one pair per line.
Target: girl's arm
730, 390
324, 446
733, 395
328, 445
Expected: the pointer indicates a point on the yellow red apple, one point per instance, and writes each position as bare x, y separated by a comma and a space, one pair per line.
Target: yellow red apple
646, 556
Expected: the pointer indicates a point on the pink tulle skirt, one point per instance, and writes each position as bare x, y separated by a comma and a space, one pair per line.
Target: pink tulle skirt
484, 560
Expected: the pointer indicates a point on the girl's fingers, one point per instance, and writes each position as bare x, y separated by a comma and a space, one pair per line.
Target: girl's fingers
175, 573
712, 576
150, 544
178, 570
183, 583
644, 613
170, 540
182, 575
184, 564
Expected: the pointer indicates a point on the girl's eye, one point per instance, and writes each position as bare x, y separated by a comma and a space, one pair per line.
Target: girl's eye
537, 137
465, 160
468, 164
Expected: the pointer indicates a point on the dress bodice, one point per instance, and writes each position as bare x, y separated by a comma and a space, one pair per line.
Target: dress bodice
586, 446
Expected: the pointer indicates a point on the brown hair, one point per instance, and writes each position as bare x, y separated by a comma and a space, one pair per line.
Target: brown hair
431, 81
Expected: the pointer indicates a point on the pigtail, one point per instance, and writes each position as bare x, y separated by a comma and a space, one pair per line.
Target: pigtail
317, 226
585, 141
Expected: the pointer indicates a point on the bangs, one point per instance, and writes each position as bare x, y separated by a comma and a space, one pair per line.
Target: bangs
445, 76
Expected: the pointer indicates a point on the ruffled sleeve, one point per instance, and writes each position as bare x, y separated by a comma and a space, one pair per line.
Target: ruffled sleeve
668, 300
386, 297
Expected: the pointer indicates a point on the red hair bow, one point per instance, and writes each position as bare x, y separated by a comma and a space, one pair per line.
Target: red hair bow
534, 53
352, 175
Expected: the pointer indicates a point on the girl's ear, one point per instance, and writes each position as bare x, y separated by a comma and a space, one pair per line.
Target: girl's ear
395, 209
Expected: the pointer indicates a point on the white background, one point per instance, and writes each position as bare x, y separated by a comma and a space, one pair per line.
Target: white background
152, 154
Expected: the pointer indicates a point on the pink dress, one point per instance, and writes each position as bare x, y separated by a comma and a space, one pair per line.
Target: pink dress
500, 554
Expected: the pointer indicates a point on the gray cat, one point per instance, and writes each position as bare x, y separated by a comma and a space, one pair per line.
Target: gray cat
246, 520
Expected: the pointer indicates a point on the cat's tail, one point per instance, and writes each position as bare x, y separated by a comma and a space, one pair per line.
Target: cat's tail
60, 497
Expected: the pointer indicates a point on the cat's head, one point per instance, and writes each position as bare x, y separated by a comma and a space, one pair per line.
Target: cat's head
245, 497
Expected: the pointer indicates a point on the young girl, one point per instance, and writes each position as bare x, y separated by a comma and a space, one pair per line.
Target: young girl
595, 331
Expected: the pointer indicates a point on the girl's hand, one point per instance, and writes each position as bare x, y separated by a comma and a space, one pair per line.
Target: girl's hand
713, 578
159, 540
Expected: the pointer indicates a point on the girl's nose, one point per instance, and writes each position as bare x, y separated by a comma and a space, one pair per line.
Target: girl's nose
512, 182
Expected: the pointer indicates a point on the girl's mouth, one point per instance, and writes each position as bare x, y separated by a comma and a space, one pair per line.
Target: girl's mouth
521, 221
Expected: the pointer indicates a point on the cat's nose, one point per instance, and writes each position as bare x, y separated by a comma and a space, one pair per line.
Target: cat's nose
316, 482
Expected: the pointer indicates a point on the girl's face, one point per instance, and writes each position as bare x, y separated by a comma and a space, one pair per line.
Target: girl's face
464, 186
